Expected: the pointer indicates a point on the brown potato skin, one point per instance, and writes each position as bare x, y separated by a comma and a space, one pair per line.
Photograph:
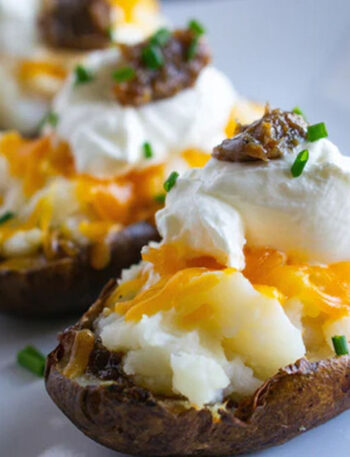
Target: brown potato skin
131, 420
68, 286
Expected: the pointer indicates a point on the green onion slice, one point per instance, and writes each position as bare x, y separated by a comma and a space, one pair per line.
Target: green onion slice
124, 74
147, 150
6, 217
153, 57
160, 198
299, 163
82, 75
31, 359
340, 345
110, 33
161, 37
297, 110
50, 118
196, 27
192, 49
171, 181
317, 131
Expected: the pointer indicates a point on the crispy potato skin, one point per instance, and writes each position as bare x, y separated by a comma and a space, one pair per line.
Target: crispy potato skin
69, 285
132, 420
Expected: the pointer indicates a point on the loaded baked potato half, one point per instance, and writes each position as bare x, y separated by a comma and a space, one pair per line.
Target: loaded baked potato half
63, 234
231, 335
77, 204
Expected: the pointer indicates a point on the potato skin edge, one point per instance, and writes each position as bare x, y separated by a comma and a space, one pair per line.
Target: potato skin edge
132, 420
69, 285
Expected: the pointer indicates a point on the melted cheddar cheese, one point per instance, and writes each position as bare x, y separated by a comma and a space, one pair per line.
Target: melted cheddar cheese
321, 289
105, 204
129, 8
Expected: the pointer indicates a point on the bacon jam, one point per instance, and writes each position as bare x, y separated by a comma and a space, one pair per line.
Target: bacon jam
160, 70
274, 135
75, 24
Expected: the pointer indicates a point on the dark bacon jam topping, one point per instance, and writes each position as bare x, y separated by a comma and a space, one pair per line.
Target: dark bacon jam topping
75, 24
160, 67
274, 135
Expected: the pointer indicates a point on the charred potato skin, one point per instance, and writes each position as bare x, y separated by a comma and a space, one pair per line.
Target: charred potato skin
67, 286
131, 420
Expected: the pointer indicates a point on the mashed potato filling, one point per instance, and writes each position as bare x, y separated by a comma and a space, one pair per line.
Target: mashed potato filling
203, 334
198, 329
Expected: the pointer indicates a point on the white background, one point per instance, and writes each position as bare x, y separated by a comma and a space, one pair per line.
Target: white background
288, 52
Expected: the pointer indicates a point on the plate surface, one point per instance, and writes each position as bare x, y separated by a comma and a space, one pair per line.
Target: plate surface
288, 52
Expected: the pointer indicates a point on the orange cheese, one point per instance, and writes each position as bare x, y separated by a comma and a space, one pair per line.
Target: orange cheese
321, 288
129, 6
174, 292
195, 158
30, 69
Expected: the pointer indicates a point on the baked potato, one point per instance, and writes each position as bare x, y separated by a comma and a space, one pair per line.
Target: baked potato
106, 405
222, 340
38, 287
63, 235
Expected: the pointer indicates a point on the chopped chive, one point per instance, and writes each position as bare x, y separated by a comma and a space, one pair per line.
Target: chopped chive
31, 359
171, 181
124, 74
6, 217
110, 33
147, 150
196, 27
192, 49
161, 37
340, 345
50, 118
299, 163
82, 75
160, 198
297, 110
317, 131
153, 57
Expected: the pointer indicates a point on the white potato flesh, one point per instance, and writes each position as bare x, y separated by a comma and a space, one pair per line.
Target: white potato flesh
255, 326
246, 339
199, 378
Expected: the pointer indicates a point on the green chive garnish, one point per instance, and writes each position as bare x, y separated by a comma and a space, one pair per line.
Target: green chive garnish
171, 181
124, 74
192, 49
300, 162
50, 118
161, 37
316, 132
147, 151
196, 27
110, 33
160, 198
297, 110
340, 345
153, 57
82, 75
31, 359
6, 217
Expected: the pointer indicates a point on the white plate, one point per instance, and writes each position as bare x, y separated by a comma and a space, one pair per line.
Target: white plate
288, 52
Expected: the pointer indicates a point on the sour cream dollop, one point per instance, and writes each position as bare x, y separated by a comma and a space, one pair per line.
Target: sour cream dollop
106, 136
261, 204
23, 108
